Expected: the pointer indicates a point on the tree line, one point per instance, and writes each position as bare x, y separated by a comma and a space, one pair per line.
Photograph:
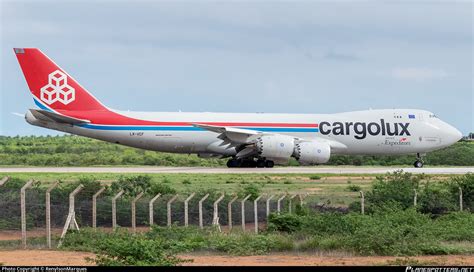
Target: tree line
69, 150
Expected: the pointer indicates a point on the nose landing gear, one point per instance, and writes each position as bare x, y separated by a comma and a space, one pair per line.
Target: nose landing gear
419, 161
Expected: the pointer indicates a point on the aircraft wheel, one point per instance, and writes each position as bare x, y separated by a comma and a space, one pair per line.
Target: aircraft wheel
260, 164
232, 163
252, 163
245, 164
248, 164
418, 164
269, 164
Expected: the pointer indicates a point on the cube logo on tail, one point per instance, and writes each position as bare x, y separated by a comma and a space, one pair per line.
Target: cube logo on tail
57, 89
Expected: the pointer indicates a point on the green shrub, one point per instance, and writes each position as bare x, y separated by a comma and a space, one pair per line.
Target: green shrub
327, 243
396, 188
85, 240
182, 239
457, 226
251, 189
386, 231
133, 250
132, 185
435, 199
285, 222
315, 177
122, 248
354, 188
394, 233
161, 188
249, 244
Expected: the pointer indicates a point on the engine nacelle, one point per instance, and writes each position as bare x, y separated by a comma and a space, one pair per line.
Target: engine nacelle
313, 152
278, 148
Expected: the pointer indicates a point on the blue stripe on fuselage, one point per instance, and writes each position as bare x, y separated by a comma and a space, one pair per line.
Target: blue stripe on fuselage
168, 128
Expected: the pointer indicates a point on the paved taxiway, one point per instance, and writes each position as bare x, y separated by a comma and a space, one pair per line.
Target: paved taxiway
222, 170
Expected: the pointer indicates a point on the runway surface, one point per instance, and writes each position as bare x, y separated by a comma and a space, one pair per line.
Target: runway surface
218, 170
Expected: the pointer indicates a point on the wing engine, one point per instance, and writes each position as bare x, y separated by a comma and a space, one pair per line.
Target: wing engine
276, 147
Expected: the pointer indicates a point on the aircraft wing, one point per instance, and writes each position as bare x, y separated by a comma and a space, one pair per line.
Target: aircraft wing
244, 139
231, 134
55, 117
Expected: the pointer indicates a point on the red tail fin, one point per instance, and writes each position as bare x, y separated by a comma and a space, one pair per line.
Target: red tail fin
52, 87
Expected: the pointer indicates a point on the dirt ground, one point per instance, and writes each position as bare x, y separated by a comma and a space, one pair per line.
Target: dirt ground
51, 257
43, 257
312, 260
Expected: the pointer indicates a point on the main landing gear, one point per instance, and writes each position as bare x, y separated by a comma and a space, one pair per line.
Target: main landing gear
249, 163
419, 161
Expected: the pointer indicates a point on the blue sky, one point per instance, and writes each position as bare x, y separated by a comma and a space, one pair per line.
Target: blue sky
299, 57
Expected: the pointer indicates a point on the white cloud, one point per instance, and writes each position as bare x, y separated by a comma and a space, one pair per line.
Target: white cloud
416, 73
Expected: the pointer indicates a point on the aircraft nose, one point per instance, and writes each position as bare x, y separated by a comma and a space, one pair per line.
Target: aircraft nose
454, 134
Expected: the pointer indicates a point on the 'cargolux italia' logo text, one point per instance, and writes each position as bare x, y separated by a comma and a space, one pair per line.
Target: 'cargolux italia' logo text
57, 89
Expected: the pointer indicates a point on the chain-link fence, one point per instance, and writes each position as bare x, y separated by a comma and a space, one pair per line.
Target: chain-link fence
24, 217
214, 210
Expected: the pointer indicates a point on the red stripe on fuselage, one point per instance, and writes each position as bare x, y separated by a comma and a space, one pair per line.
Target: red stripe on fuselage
105, 117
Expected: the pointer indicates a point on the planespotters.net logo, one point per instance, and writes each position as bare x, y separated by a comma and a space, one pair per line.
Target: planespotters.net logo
57, 89
439, 269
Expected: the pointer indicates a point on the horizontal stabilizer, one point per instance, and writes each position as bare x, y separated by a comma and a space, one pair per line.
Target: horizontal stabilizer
55, 117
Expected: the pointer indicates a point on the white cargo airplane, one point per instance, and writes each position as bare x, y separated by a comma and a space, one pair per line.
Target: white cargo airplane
248, 139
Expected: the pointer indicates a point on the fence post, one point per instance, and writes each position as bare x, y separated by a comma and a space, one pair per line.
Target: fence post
268, 205
290, 203
72, 195
71, 217
150, 208
4, 180
215, 217
255, 212
94, 207
200, 210
23, 211
302, 197
186, 216
229, 212
242, 204
114, 209
362, 202
48, 213
415, 197
134, 212
168, 209
460, 199
278, 203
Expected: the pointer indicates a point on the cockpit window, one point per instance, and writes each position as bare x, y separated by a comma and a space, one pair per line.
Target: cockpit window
433, 115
